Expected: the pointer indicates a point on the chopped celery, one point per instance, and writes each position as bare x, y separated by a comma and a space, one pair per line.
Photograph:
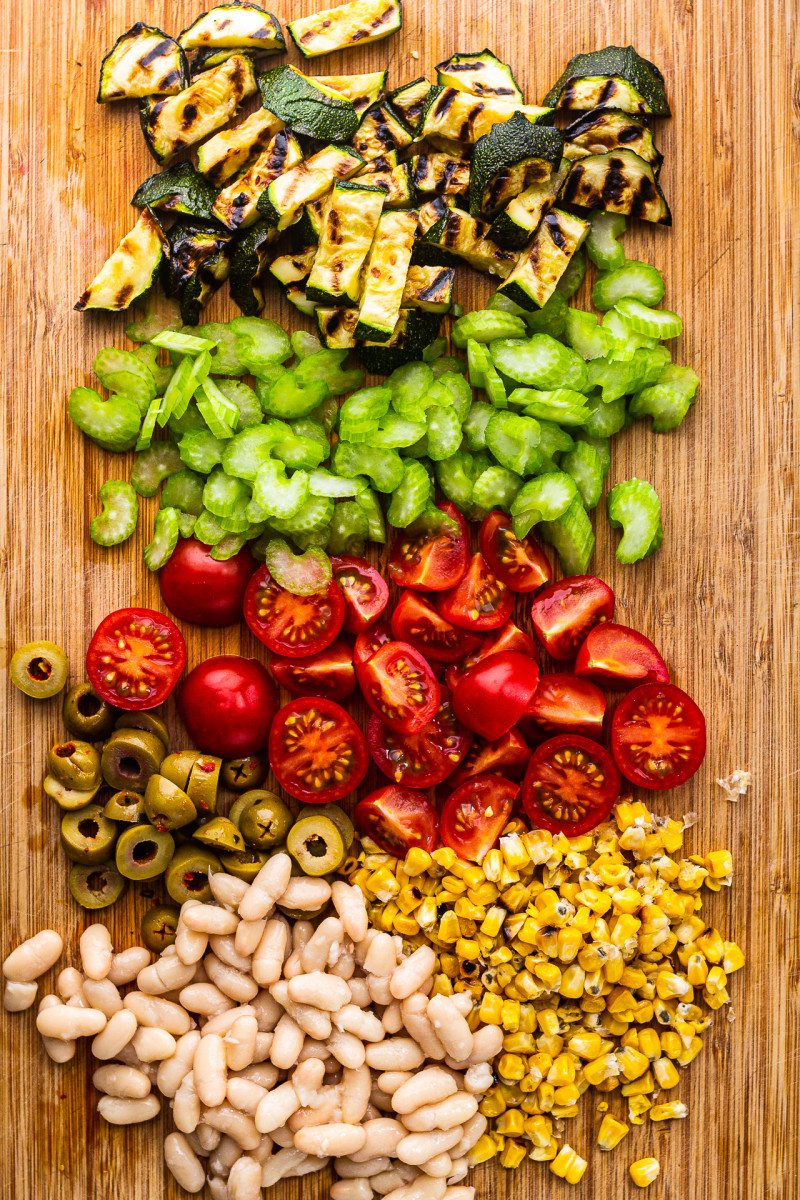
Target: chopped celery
460, 391
572, 537
200, 450
540, 362
514, 442
224, 359
544, 498
287, 398
178, 392
113, 423
633, 278
302, 574
550, 318
384, 467
228, 547
246, 452
477, 363
148, 355
395, 432
601, 445
444, 433
166, 531
486, 326
325, 483
260, 343
583, 334
668, 400
223, 493
634, 507
361, 412
148, 424
563, 405
198, 373
349, 529
183, 490
120, 513
244, 398
412, 497
326, 367
446, 363
496, 487
582, 462
126, 375
153, 465
237, 521
652, 322
275, 494
475, 424
304, 343
189, 421
553, 439
370, 505
410, 385
182, 343
159, 314
186, 524
301, 453
314, 513
573, 274
207, 529
435, 350
601, 243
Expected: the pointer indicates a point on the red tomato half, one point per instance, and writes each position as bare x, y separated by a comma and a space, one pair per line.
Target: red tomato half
508, 753
620, 658
564, 612
494, 693
329, 673
400, 687
658, 736
476, 814
197, 588
227, 704
365, 591
317, 751
397, 819
480, 601
570, 786
431, 560
417, 622
521, 563
507, 637
289, 624
565, 704
135, 658
420, 760
370, 641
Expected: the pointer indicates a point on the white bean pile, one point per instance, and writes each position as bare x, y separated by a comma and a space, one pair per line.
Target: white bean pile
281, 1047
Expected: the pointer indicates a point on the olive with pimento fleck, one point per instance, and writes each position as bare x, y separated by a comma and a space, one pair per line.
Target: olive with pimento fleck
87, 836
149, 722
130, 757
144, 852
242, 774
75, 764
167, 805
159, 926
187, 875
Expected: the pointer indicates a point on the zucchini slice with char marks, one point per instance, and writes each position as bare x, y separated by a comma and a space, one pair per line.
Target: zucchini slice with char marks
619, 182
351, 218
235, 206
178, 189
409, 100
206, 60
307, 182
413, 333
360, 90
309, 227
385, 276
292, 268
615, 77
433, 211
239, 26
337, 327
199, 263
307, 105
515, 225
460, 235
223, 155
534, 279
130, 270
439, 174
381, 131
251, 258
429, 288
606, 129
348, 25
296, 294
179, 121
510, 158
463, 118
482, 74
144, 61
392, 176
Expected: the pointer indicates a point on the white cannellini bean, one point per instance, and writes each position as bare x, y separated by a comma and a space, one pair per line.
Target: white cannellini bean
305, 894
412, 973
313, 1021
379, 1102
227, 889
486, 1043
316, 954
127, 964
382, 1137
172, 1071
390, 1181
232, 983
78, 1000
302, 931
323, 991
35, 956
451, 1027
118, 1032
362, 947
325, 1111
236, 1125
102, 994
58, 1050
378, 987
365, 1025
245, 1095
390, 1081
283, 1137
314, 1049
190, 944
428, 1087
309, 1166
205, 999
167, 974
262, 1047
395, 1054
473, 1129
440, 1166
244, 1181
263, 1074
392, 1019
268, 1011
463, 1002
224, 1156
248, 935
351, 1189
276, 1108
217, 1187
96, 951
279, 1165
459, 1170
184, 1165
208, 919
207, 1138
186, 1108
69, 983
345, 965
118, 1080
65, 1023
307, 1080
460, 1193
210, 1070
346, 1048
478, 1079
240, 1043
381, 957
153, 1045
417, 1148
159, 1013
18, 996
417, 1023
267, 887
268, 955
119, 1111
351, 907
287, 1042
321, 1140
445, 1114
225, 950
356, 1088
345, 1168
224, 1021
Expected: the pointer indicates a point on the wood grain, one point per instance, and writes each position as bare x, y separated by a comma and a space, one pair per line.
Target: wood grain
720, 598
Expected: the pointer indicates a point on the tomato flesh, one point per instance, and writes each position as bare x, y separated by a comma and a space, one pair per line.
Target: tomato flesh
369, 642
564, 612
398, 819
521, 563
570, 786
135, 658
476, 814
292, 625
566, 704
494, 693
417, 622
227, 704
365, 591
507, 637
480, 601
329, 673
317, 751
420, 760
400, 687
198, 588
508, 754
430, 559
618, 657
658, 736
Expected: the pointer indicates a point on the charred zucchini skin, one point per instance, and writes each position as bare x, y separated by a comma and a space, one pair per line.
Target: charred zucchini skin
513, 229
429, 288
292, 268
360, 90
467, 69
463, 118
199, 263
614, 61
336, 282
236, 75
268, 39
409, 100
415, 330
534, 279
178, 189
385, 275
619, 181
456, 236
439, 175
214, 56
346, 163
380, 131
170, 81
516, 150
309, 226
231, 150
130, 270
235, 206
251, 257
337, 327
381, 18
307, 107
614, 130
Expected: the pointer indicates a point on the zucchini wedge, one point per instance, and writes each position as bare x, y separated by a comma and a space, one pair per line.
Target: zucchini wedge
210, 57
292, 268
615, 77
409, 100
171, 125
309, 227
348, 25
507, 160
130, 270
235, 206
463, 118
199, 263
481, 74
514, 226
380, 131
414, 332
351, 218
534, 279
385, 275
439, 175
179, 189
306, 182
144, 61
392, 177
337, 327
238, 26
296, 295
433, 211
360, 90
429, 288
620, 182
460, 235
249, 263
307, 105
606, 129
224, 155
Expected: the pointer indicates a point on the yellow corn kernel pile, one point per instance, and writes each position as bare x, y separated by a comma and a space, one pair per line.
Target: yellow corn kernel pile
590, 952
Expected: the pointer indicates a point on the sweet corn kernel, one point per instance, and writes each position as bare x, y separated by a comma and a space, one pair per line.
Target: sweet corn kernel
511, 1123
666, 1074
449, 928
426, 913
383, 884
637, 1107
512, 1067
640, 1086
719, 863
644, 1171
513, 1155
632, 1063
733, 958
491, 1009
444, 857
649, 1044
468, 949
417, 861
493, 1104
514, 851
566, 1095
442, 986
569, 1165
405, 925
604, 1067
469, 911
611, 1132
674, 1110
409, 899
586, 1044
483, 1150
562, 1070
689, 1053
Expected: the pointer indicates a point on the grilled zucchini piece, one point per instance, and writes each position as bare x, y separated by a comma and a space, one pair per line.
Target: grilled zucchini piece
292, 268
307, 105
205, 60
179, 121
429, 288
515, 225
351, 218
348, 25
481, 74
507, 160
381, 130
615, 77
534, 279
249, 263
337, 327
461, 235
433, 211
409, 100
439, 175
130, 270
235, 26
385, 276
620, 182
360, 90
296, 295
144, 61
414, 332
178, 189
306, 182
199, 263
227, 152
235, 206
463, 118
606, 129
309, 227
391, 175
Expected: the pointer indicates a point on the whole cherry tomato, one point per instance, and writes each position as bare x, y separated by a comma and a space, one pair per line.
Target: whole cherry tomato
199, 589
507, 637
227, 704
494, 693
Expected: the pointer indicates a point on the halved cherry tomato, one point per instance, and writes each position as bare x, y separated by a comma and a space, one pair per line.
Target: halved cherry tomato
621, 658
417, 622
494, 693
508, 753
420, 760
476, 814
329, 673
292, 625
480, 601
398, 819
521, 563
507, 637
564, 612
570, 786
317, 751
565, 704
431, 559
658, 736
369, 642
365, 591
135, 658
400, 687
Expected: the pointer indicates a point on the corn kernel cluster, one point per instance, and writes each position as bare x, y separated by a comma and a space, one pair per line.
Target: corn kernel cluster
590, 952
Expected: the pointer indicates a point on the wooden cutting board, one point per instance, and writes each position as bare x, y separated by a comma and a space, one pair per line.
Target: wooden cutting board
719, 598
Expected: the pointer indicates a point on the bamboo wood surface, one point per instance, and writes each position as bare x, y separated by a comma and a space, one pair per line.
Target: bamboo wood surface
719, 598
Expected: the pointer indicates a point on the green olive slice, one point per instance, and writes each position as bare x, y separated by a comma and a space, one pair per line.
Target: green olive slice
220, 833
144, 852
96, 886
159, 925
167, 805
241, 774
316, 844
187, 875
86, 715
87, 836
39, 669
